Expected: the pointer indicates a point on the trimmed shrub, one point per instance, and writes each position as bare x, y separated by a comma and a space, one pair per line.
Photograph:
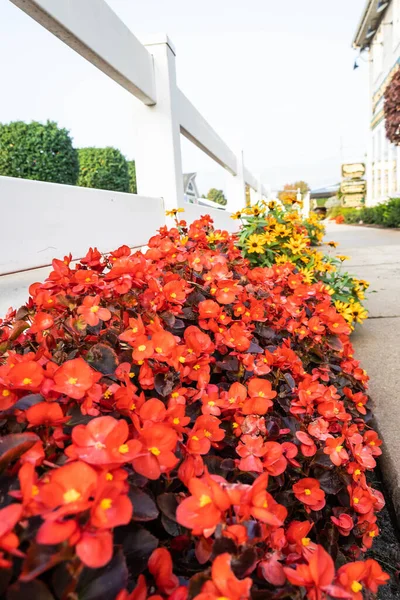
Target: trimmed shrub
132, 176
103, 169
38, 151
386, 214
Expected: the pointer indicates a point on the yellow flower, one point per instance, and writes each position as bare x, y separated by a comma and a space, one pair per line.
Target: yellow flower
281, 259
342, 257
344, 309
359, 312
255, 243
173, 212
308, 276
236, 215
297, 245
332, 244
272, 204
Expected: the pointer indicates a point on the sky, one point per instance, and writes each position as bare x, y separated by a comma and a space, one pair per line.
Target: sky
273, 77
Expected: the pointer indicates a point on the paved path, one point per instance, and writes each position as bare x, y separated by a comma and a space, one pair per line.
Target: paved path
375, 256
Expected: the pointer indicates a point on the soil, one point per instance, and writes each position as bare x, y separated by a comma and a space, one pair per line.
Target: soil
386, 547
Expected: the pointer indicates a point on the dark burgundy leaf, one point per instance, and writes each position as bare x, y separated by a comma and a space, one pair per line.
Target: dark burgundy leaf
334, 343
223, 545
32, 590
290, 381
5, 578
171, 527
21, 313
144, 507
265, 332
168, 504
164, 384
18, 328
104, 583
137, 544
42, 558
189, 314
168, 318
26, 402
103, 359
323, 460
15, 444
255, 349
196, 583
245, 563
229, 364
330, 482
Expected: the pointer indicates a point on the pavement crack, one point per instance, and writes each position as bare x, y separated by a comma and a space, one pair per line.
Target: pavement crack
384, 317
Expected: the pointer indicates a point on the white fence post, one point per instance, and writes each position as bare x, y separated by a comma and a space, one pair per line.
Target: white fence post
306, 205
236, 187
158, 158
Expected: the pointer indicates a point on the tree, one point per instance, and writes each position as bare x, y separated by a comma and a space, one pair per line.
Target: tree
132, 176
289, 192
104, 169
217, 196
39, 151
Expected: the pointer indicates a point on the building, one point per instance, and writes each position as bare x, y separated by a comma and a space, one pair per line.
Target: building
378, 39
190, 188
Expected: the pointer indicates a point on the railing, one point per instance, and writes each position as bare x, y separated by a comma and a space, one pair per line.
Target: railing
160, 114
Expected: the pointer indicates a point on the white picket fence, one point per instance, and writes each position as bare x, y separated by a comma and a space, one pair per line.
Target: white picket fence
45, 220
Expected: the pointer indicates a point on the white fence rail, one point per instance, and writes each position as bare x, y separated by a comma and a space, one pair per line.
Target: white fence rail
58, 219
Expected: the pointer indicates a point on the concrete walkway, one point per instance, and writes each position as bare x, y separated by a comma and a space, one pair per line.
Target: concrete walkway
375, 256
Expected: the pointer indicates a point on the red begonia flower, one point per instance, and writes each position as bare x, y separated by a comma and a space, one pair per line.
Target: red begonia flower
309, 492
74, 378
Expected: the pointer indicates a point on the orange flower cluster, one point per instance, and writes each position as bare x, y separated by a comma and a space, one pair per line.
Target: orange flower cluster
179, 425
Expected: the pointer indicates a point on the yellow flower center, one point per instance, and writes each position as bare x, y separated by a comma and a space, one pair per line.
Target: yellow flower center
176, 421
196, 367
305, 541
109, 476
158, 350
5, 393
72, 381
71, 496
87, 279
204, 500
35, 491
356, 587
195, 438
182, 359
339, 448
26, 381
155, 451
142, 348
307, 492
106, 503
356, 500
94, 309
372, 534
211, 403
173, 295
265, 504
123, 449
357, 472
207, 433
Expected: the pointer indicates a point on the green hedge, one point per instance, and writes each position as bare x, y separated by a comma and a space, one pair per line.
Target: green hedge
38, 151
386, 214
132, 177
103, 168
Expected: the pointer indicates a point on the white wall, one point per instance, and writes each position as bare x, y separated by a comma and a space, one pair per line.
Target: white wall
42, 221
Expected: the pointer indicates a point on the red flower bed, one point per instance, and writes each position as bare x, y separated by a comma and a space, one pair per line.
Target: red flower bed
178, 425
